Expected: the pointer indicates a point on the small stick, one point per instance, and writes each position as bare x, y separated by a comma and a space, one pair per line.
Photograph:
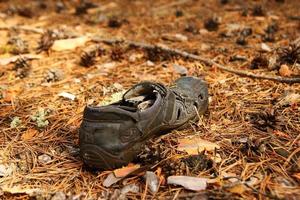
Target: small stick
145, 191
23, 28
184, 54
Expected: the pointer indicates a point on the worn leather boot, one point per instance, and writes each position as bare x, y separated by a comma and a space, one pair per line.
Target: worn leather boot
112, 136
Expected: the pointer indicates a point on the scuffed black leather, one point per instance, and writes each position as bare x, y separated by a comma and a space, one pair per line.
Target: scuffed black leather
112, 136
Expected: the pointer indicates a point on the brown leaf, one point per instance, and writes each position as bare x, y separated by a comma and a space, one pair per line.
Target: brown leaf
285, 71
238, 189
280, 133
10, 94
29, 134
124, 171
195, 145
297, 175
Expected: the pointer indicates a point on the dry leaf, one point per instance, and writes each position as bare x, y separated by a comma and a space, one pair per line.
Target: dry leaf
29, 134
152, 180
110, 180
10, 95
69, 44
195, 145
162, 180
290, 99
238, 189
285, 71
188, 182
297, 175
124, 171
280, 133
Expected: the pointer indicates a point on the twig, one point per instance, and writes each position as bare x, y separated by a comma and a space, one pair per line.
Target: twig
145, 191
176, 3
184, 54
23, 28
294, 17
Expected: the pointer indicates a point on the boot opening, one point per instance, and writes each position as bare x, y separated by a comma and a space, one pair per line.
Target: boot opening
141, 97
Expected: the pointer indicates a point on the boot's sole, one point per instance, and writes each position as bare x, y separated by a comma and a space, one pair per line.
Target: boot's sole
94, 156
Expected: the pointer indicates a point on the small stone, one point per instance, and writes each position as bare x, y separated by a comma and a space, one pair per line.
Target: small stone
150, 63
130, 188
180, 69
152, 180
44, 159
265, 47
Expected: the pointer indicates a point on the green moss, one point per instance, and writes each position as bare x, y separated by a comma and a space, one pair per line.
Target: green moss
16, 122
40, 118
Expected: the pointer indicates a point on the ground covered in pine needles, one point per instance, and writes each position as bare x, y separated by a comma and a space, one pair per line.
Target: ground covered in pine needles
54, 62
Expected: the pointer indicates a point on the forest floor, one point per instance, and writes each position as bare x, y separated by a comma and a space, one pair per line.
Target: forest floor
53, 62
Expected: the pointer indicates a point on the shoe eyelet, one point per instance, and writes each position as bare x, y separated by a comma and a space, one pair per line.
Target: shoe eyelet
196, 104
201, 97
